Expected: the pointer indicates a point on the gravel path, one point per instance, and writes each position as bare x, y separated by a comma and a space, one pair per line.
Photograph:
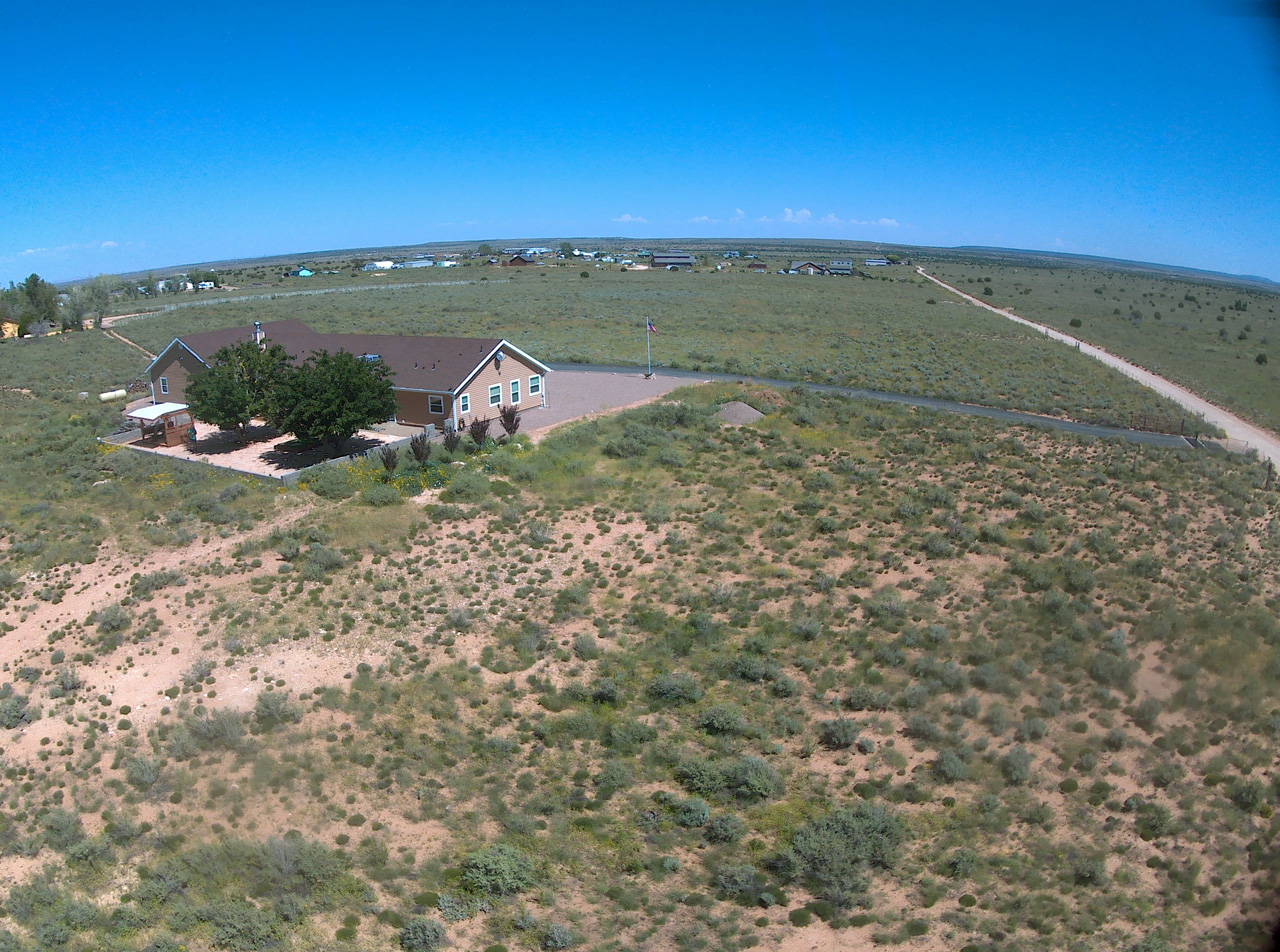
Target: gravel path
1266, 443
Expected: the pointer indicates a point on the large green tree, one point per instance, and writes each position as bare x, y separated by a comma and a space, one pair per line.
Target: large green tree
331, 396
238, 386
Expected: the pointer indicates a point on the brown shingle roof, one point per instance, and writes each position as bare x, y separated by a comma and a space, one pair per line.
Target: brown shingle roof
436, 364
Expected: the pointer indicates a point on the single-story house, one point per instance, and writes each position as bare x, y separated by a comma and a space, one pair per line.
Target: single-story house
301, 273
378, 266
758, 267
673, 259
840, 266
519, 261
877, 262
807, 267
435, 379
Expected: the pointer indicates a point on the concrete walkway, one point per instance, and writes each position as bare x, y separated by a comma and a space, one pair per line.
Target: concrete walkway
1265, 442
575, 392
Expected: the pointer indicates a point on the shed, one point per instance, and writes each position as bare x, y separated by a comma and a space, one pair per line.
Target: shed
673, 259
519, 261
168, 422
840, 266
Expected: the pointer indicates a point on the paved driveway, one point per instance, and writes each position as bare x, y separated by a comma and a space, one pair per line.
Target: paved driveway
574, 394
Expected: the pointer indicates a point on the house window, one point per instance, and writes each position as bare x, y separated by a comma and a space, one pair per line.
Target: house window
495, 395
515, 391
535, 385
435, 405
464, 403
164, 384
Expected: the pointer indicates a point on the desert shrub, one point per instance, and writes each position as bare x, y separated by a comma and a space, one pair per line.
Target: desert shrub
692, 812
273, 708
863, 697
200, 669
222, 728
478, 430
558, 936
725, 828
736, 880
141, 772
949, 767
330, 482
1033, 728
834, 853
378, 495
1146, 712
420, 447
1248, 795
722, 719
112, 620
145, 585
422, 935
586, 647
1016, 766
240, 926
674, 689
743, 778
497, 870
839, 734
806, 628
468, 486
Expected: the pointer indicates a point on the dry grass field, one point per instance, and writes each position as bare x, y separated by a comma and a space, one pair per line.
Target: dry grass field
848, 677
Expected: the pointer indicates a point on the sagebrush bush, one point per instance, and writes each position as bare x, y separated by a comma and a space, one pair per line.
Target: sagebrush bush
835, 853
498, 870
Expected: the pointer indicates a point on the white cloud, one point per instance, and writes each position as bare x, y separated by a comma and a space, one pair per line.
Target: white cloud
738, 215
831, 219
764, 218
110, 244
1057, 243
629, 218
702, 219
796, 217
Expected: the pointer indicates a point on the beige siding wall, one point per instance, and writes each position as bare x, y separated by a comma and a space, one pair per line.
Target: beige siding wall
513, 368
177, 366
414, 409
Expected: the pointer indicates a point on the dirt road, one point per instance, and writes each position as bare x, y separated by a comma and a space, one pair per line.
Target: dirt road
1265, 442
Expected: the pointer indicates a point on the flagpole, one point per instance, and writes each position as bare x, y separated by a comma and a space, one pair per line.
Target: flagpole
648, 350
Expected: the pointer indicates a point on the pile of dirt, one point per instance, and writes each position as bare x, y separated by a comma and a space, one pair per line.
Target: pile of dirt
737, 413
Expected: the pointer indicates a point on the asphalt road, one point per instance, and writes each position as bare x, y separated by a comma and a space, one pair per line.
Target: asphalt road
576, 390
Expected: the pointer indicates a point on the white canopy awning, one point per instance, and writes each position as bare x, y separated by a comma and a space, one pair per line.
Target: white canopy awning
155, 412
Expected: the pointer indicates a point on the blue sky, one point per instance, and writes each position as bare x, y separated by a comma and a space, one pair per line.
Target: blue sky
1137, 130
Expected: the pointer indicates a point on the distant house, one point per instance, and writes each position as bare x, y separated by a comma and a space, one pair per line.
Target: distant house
840, 266
877, 262
757, 267
301, 273
807, 267
437, 380
205, 286
378, 266
673, 259
519, 261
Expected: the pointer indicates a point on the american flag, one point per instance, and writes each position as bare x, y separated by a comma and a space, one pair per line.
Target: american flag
648, 325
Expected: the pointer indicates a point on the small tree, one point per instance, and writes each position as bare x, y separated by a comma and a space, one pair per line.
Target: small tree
451, 437
509, 417
331, 396
420, 447
238, 387
479, 430
390, 458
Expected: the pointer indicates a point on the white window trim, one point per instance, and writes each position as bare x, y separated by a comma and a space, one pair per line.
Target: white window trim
515, 392
164, 384
535, 385
464, 403
432, 401
495, 395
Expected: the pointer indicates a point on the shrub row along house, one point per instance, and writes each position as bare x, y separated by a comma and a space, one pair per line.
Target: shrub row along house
435, 379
